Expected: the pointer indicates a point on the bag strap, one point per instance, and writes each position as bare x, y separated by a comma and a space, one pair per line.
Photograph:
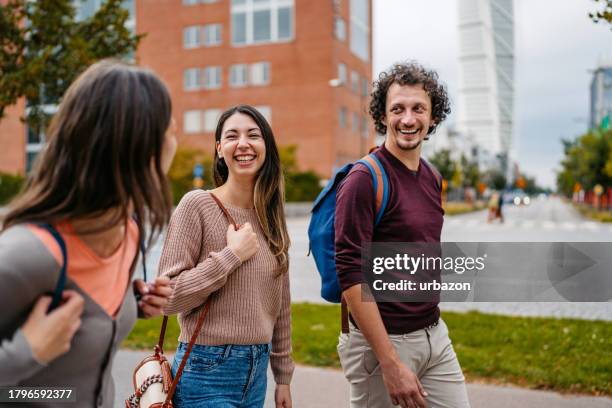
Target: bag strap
198, 327
381, 194
380, 182
61, 281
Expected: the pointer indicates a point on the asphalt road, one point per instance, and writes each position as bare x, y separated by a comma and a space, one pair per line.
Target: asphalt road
545, 220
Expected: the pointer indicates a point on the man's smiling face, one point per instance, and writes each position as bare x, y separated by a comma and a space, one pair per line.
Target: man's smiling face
407, 115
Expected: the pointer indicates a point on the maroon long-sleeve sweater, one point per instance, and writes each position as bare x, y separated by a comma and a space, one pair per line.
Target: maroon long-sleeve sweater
413, 214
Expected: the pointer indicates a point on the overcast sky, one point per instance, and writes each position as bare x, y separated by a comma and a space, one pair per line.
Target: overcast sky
556, 45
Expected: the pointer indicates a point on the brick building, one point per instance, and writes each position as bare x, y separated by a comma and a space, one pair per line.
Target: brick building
306, 64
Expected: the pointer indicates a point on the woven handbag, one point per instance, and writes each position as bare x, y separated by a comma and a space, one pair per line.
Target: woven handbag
153, 383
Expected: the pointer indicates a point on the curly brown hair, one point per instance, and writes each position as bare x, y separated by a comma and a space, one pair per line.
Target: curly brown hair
410, 73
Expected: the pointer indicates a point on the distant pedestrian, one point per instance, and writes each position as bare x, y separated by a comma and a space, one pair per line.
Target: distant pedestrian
110, 145
243, 272
493, 206
500, 204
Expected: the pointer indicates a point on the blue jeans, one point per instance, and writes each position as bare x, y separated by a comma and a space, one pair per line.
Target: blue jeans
227, 376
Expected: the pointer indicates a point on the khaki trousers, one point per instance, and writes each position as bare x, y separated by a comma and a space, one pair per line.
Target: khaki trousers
427, 352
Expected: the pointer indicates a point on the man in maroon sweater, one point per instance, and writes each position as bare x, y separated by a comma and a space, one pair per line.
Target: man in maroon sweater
397, 353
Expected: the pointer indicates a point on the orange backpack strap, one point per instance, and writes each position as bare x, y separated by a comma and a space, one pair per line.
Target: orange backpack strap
380, 182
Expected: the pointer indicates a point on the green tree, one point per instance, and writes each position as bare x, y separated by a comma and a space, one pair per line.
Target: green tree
43, 48
604, 14
443, 162
587, 161
495, 178
471, 172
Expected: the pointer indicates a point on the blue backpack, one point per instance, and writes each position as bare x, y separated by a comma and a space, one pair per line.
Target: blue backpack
321, 231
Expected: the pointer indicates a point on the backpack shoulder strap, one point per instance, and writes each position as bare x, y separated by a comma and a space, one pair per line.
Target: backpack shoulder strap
381, 184
61, 282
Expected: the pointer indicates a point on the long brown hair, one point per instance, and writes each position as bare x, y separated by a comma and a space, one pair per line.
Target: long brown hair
104, 152
269, 194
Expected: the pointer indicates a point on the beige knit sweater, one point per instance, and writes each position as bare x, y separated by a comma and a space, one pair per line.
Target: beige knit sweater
250, 303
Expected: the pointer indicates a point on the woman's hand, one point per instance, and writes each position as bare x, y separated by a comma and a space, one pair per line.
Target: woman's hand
282, 396
154, 295
49, 335
243, 242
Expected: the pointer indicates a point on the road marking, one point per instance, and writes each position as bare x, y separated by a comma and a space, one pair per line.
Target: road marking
590, 225
567, 225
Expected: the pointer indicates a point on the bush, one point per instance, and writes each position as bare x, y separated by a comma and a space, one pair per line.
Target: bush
301, 186
10, 184
181, 172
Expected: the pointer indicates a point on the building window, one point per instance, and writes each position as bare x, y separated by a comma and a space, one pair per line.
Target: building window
364, 87
239, 74
265, 111
211, 116
355, 82
191, 37
360, 29
212, 34
342, 117
212, 77
191, 79
34, 137
192, 121
340, 29
364, 127
260, 73
261, 21
355, 124
342, 73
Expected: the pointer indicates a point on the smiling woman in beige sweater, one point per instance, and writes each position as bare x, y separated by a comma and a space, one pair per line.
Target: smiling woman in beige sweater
243, 272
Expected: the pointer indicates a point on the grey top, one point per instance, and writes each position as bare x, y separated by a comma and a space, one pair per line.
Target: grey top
27, 271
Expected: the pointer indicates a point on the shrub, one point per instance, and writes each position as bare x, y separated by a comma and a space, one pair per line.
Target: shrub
181, 172
299, 185
10, 184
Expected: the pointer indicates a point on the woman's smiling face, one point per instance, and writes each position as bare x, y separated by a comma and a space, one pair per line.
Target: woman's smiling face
242, 146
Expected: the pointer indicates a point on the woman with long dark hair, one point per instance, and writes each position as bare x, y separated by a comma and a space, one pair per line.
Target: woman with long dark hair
242, 273
100, 180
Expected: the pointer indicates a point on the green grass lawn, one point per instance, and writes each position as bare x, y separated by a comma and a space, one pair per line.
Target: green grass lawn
559, 354
460, 207
601, 216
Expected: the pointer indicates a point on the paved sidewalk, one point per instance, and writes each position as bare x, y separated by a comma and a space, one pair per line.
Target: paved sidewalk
324, 388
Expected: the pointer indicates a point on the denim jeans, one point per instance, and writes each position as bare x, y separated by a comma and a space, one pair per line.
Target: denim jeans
227, 376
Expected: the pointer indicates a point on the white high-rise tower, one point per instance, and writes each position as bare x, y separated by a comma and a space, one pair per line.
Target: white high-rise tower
486, 35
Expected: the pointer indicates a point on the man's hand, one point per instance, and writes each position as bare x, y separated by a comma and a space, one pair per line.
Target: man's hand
282, 396
154, 295
403, 386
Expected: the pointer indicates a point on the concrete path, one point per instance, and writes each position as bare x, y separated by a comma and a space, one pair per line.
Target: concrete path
325, 388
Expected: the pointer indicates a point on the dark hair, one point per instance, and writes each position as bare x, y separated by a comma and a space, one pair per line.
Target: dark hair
104, 152
269, 195
410, 73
